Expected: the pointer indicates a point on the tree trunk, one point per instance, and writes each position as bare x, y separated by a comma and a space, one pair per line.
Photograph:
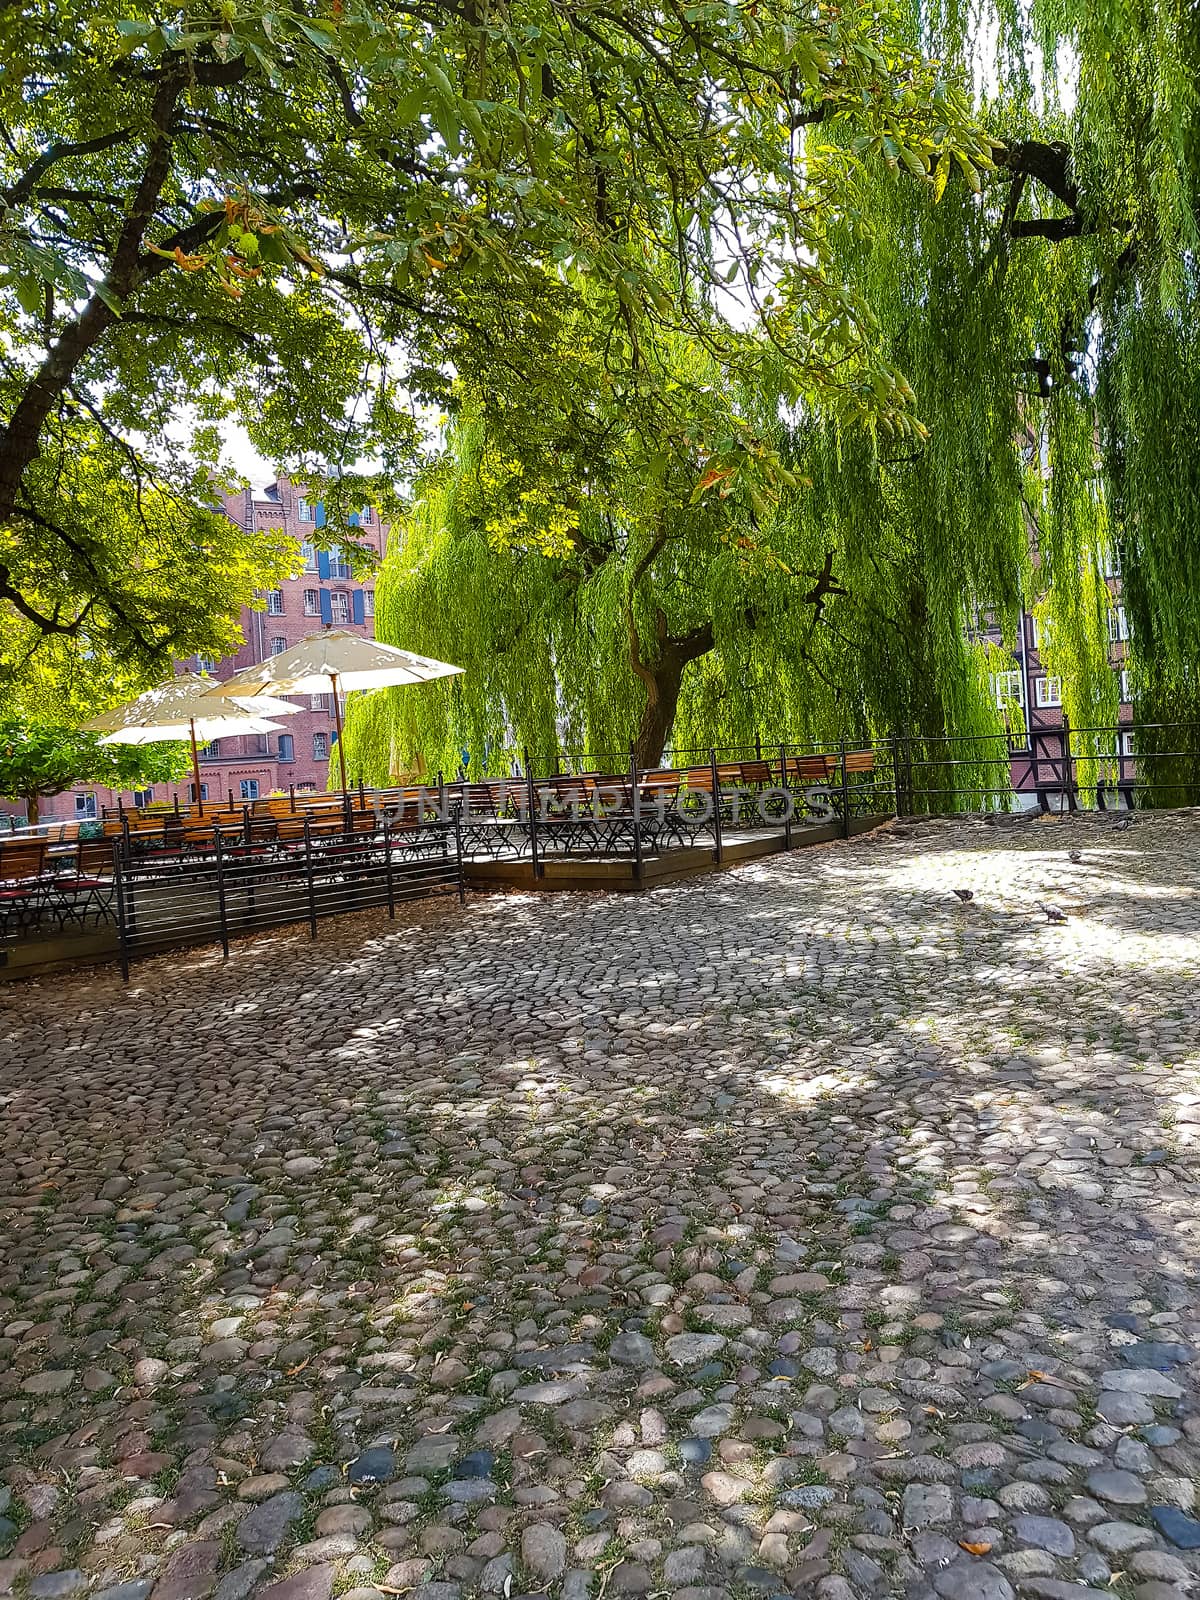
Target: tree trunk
662, 679
658, 717
31, 810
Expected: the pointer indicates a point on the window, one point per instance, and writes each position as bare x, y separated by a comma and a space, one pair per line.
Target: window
320, 747
205, 664
143, 797
339, 567
309, 551
278, 645
318, 702
303, 510
256, 744
1118, 624
1112, 562
339, 606
85, 806
287, 747
1048, 691
306, 788
368, 602
192, 792
312, 602
1010, 690
274, 602
1127, 744
249, 788
364, 516
214, 748
1040, 632
1125, 694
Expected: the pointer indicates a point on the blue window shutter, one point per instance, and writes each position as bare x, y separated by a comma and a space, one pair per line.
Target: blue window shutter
319, 514
322, 563
357, 602
326, 606
353, 519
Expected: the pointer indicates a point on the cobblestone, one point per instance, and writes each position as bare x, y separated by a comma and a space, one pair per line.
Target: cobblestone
798, 1230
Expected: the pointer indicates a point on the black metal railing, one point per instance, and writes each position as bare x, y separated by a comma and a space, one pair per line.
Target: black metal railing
211, 890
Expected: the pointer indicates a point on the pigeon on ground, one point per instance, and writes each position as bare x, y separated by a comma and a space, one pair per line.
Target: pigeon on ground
1073, 855
965, 894
1123, 823
1052, 912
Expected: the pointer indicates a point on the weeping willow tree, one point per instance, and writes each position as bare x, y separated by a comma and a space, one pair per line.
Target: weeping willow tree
1043, 313
609, 581
1072, 273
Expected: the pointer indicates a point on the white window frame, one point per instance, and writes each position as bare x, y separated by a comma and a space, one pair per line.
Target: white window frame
212, 748
274, 602
368, 602
206, 664
248, 788
304, 510
339, 567
143, 797
312, 602
1123, 682
365, 516
1042, 694
339, 608
309, 551
192, 793
1127, 748
278, 645
320, 746
86, 809
318, 702
1002, 682
1118, 625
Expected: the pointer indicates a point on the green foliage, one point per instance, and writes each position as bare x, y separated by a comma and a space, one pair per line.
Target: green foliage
603, 587
40, 759
300, 220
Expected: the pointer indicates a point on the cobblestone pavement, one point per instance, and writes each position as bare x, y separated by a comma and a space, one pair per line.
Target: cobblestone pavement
798, 1230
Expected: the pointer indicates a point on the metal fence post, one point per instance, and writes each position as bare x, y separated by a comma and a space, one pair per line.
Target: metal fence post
387, 858
534, 858
1069, 775
845, 790
635, 799
222, 916
308, 871
462, 888
122, 931
718, 836
787, 798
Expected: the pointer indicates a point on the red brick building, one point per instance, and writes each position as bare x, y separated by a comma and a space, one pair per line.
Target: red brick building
251, 767
1038, 759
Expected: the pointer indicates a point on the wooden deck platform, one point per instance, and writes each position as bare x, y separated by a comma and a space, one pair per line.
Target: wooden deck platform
617, 874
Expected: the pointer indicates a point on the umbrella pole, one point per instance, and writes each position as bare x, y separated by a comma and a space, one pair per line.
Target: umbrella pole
196, 765
337, 722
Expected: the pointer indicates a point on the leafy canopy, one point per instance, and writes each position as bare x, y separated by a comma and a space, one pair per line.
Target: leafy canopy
299, 220
40, 759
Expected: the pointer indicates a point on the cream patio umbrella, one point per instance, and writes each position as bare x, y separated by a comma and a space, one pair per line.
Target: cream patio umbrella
340, 661
187, 708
